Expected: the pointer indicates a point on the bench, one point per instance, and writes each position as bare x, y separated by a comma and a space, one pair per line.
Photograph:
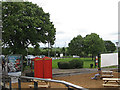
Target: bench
111, 82
40, 86
43, 84
111, 85
107, 74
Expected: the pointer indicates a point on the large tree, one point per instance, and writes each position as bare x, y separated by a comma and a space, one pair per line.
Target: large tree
76, 46
110, 46
93, 44
24, 24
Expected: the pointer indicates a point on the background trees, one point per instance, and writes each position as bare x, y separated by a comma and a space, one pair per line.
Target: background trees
25, 24
90, 44
93, 44
110, 47
76, 46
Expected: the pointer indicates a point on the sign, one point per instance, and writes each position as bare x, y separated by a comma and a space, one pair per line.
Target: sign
14, 63
110, 59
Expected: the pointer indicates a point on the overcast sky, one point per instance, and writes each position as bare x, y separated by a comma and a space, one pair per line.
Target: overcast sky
82, 17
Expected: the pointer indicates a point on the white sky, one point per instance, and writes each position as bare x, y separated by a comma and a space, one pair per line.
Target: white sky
82, 17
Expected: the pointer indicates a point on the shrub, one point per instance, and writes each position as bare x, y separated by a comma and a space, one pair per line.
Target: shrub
63, 65
71, 64
76, 63
26, 68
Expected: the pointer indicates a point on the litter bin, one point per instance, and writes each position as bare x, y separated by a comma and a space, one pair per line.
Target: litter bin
91, 65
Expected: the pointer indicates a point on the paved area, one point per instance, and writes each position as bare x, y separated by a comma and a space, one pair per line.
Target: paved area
68, 72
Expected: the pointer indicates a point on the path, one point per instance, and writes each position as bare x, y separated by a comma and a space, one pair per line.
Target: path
68, 72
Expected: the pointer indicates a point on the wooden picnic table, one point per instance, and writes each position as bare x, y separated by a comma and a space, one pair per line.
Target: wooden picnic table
111, 81
43, 84
107, 74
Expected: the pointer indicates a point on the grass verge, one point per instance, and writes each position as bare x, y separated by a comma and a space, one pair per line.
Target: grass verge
87, 62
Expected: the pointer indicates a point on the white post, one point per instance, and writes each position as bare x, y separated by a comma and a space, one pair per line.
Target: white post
117, 43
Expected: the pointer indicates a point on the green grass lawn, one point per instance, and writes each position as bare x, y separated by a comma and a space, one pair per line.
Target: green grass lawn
87, 62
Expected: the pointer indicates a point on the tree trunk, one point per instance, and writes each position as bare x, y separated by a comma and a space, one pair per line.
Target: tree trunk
92, 56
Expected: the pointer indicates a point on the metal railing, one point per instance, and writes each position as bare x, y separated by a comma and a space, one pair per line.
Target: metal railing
67, 84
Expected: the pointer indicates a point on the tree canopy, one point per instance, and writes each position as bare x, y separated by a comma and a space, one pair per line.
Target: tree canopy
90, 44
110, 47
24, 24
93, 44
76, 46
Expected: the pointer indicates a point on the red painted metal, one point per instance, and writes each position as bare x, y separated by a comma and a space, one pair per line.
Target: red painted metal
47, 67
43, 67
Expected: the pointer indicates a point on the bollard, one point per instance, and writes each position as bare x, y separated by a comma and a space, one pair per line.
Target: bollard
35, 85
10, 84
19, 83
3, 78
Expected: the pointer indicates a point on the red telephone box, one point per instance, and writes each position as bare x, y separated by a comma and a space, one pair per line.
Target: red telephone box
47, 65
43, 67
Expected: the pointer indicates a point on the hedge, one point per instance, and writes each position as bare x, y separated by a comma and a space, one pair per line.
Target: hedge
71, 64
63, 65
76, 63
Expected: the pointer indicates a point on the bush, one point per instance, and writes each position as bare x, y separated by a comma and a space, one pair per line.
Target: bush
31, 74
71, 64
76, 63
63, 65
